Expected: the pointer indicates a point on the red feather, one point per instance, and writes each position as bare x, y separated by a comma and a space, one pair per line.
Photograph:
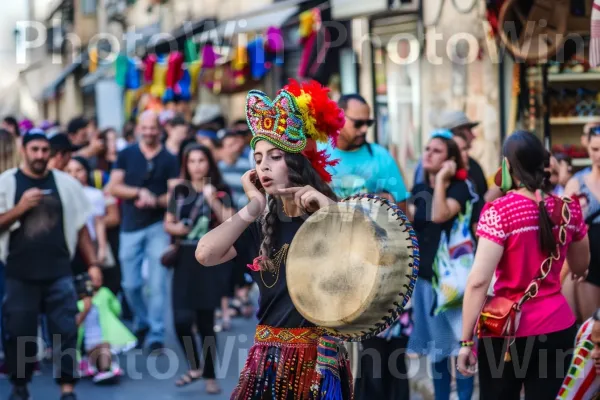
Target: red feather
320, 161
328, 116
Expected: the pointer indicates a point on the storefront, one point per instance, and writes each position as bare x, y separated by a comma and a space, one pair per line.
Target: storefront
555, 93
387, 37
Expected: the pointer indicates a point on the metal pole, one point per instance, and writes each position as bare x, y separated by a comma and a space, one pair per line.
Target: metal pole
502, 84
546, 106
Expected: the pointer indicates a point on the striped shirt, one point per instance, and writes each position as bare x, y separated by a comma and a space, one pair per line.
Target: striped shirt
232, 175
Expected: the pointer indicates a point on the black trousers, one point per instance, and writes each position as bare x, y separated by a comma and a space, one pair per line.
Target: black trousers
205, 322
383, 373
539, 363
23, 303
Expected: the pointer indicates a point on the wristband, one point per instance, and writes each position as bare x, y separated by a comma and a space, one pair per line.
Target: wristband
467, 343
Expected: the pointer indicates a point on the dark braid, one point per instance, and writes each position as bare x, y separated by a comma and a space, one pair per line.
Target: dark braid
269, 226
300, 173
527, 158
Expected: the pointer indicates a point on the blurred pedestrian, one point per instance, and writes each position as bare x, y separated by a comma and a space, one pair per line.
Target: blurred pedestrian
363, 167
61, 151
140, 179
42, 222
177, 132
195, 207
524, 238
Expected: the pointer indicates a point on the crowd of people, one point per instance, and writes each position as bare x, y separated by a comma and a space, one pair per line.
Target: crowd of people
92, 222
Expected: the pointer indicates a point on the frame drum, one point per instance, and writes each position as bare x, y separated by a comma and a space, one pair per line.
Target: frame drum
352, 266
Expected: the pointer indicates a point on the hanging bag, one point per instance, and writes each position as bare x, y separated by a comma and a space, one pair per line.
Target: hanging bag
171, 255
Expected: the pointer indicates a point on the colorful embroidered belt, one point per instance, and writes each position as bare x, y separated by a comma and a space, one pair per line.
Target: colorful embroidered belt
296, 336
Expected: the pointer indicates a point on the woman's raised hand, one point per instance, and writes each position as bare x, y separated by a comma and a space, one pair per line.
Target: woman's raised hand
253, 188
306, 198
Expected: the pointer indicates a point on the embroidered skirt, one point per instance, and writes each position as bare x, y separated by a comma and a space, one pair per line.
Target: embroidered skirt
295, 364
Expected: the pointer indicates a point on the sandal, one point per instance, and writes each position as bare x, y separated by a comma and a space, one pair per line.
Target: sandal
187, 379
212, 387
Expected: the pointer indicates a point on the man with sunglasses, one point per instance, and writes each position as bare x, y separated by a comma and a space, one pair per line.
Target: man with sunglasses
363, 167
141, 179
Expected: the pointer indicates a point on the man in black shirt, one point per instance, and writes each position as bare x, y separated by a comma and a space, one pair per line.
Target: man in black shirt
140, 178
42, 221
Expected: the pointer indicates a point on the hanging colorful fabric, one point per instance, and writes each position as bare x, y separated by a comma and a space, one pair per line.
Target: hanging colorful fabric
132, 80
239, 64
209, 57
307, 23
256, 57
157, 89
194, 70
129, 102
121, 69
93, 54
182, 88
308, 36
149, 63
174, 74
190, 51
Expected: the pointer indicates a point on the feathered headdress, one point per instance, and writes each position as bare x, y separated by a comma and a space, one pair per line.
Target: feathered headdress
301, 115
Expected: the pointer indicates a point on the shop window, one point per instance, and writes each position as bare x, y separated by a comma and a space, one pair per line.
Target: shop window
398, 101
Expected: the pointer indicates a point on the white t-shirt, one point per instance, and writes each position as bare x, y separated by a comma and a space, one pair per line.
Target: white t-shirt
96, 199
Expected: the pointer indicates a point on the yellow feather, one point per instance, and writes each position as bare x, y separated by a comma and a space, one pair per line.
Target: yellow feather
310, 130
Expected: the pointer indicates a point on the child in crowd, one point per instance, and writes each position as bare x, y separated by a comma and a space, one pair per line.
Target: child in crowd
101, 333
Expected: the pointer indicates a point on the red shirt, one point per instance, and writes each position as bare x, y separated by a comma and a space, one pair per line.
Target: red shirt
512, 222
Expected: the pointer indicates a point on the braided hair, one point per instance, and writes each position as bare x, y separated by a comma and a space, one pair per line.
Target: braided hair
300, 173
528, 159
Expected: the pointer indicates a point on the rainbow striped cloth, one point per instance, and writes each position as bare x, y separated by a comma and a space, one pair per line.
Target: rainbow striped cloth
581, 383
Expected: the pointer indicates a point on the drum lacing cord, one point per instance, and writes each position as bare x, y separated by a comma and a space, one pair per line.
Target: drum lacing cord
388, 320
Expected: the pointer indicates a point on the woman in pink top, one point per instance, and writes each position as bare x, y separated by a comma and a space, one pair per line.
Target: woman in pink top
516, 234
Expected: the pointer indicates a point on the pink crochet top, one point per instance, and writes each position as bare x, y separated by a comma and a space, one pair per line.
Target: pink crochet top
512, 222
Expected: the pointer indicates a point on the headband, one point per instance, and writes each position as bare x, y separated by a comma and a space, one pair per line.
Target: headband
298, 117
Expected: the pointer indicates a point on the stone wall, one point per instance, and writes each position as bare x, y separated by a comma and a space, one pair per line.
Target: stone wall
471, 85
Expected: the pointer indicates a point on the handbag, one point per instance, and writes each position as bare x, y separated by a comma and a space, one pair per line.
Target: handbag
170, 257
500, 315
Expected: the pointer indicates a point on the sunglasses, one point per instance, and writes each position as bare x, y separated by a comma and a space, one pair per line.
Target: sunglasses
595, 130
359, 123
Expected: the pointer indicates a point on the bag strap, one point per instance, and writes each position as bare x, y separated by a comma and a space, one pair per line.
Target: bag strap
534, 287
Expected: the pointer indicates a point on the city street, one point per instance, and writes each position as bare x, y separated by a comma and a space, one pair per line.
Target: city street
153, 377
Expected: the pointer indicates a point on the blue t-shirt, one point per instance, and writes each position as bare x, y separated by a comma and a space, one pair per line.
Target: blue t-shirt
151, 174
364, 171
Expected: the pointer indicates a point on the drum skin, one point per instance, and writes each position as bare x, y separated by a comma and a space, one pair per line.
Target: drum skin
352, 266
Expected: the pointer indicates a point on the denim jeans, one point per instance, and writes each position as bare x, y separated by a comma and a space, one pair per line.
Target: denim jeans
148, 243
442, 379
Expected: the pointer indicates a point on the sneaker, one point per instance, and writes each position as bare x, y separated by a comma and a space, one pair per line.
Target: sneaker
156, 348
86, 370
68, 396
105, 377
19, 393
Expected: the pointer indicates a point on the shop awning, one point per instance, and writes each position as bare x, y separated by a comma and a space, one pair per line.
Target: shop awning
275, 14
51, 90
103, 72
164, 44
348, 9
